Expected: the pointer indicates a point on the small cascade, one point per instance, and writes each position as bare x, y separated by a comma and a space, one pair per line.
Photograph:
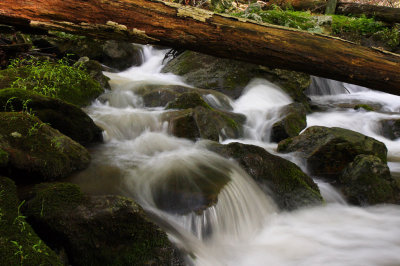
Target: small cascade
322, 86
260, 102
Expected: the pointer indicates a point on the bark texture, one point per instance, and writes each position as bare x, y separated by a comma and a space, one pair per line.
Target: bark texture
383, 13
184, 27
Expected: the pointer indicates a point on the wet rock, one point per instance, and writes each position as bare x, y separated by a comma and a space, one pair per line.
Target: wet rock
328, 151
204, 123
37, 152
19, 244
292, 122
68, 119
391, 128
230, 76
291, 188
97, 230
367, 180
161, 95
188, 100
95, 70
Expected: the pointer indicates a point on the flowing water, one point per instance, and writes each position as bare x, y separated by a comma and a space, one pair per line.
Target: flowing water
141, 159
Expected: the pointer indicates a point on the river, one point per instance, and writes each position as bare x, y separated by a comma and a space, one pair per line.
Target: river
245, 227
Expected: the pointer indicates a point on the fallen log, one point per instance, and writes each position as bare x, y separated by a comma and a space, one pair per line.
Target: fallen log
382, 13
185, 27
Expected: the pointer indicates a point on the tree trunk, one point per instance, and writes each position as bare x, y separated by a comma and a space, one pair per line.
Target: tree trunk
330, 7
184, 27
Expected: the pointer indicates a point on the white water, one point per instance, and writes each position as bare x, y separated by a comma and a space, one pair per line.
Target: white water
244, 227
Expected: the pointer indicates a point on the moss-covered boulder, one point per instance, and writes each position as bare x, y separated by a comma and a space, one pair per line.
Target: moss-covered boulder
292, 122
188, 100
201, 122
161, 95
97, 230
291, 188
390, 128
19, 244
67, 118
95, 71
54, 79
328, 151
230, 76
37, 152
367, 180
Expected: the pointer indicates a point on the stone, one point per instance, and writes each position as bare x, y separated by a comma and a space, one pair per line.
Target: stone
328, 151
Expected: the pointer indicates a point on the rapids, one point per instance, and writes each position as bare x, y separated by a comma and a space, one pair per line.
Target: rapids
245, 227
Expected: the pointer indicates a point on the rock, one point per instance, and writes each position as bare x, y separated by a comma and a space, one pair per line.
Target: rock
367, 181
291, 188
19, 244
37, 152
3, 158
118, 55
67, 118
97, 230
390, 128
230, 76
95, 70
293, 121
188, 100
61, 81
204, 123
328, 151
161, 95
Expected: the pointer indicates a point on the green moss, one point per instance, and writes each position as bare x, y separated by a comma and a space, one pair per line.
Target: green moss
188, 100
54, 79
3, 158
54, 198
19, 244
366, 107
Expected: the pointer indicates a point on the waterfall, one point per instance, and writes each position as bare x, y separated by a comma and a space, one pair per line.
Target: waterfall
209, 206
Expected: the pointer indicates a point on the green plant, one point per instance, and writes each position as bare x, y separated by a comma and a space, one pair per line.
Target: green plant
35, 128
54, 79
19, 252
57, 143
20, 219
9, 104
361, 25
40, 248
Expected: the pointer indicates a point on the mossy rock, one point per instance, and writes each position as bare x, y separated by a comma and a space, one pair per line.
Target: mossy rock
61, 81
95, 70
390, 128
188, 100
19, 244
204, 123
230, 76
291, 188
292, 122
37, 152
3, 158
98, 230
67, 118
328, 151
367, 180
161, 95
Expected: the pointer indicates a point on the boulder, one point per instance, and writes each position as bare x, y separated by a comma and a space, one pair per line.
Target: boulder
367, 180
390, 128
290, 187
95, 70
230, 76
97, 230
161, 95
328, 151
293, 121
67, 118
201, 122
37, 152
188, 100
19, 244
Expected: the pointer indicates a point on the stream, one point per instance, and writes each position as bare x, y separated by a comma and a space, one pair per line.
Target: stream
245, 227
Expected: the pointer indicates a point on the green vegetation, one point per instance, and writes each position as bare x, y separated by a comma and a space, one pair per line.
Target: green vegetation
19, 244
54, 79
361, 25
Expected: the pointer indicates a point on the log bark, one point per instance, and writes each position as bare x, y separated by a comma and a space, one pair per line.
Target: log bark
382, 13
184, 27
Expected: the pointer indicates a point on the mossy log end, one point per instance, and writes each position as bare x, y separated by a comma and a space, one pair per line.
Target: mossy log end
185, 27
